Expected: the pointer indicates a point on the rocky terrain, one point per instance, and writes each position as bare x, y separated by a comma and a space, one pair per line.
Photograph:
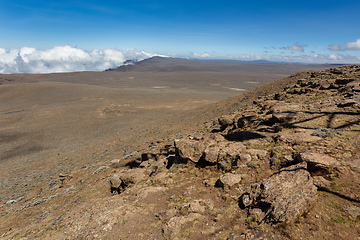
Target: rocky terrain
279, 162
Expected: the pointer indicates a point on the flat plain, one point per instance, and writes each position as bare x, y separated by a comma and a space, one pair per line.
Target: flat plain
52, 124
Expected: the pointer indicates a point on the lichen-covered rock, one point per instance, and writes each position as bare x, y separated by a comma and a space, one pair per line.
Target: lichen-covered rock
282, 197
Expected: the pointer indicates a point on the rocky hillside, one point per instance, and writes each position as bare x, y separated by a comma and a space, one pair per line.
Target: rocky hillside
284, 164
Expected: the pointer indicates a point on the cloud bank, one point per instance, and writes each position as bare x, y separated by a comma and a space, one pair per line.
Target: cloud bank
64, 59
70, 59
301, 58
347, 46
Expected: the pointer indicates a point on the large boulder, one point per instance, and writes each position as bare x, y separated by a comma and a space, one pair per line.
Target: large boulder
188, 149
283, 197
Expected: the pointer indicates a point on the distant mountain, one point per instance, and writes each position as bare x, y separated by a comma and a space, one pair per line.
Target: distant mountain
158, 64
168, 64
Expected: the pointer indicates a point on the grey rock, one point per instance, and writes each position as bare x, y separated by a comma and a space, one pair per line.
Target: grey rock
325, 132
100, 169
353, 211
10, 202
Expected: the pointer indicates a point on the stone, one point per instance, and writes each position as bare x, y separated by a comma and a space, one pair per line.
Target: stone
226, 121
247, 121
229, 154
284, 196
10, 202
320, 164
244, 157
320, 182
353, 211
115, 183
228, 180
114, 163
347, 103
211, 153
258, 154
189, 149
100, 169
336, 71
124, 179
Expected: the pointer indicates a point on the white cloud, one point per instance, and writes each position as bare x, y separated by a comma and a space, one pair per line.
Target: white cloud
352, 46
64, 59
202, 55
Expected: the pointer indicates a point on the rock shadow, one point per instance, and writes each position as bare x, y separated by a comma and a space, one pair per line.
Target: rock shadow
242, 136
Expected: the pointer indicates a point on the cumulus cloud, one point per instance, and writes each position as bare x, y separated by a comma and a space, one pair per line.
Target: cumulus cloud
64, 59
351, 46
296, 47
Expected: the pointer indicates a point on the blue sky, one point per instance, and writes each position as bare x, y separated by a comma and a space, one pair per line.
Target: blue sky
308, 31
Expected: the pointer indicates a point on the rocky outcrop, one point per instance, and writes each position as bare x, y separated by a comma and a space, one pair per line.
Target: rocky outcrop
213, 149
283, 197
276, 148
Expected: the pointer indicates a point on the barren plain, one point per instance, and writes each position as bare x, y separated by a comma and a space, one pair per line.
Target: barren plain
52, 123
55, 124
